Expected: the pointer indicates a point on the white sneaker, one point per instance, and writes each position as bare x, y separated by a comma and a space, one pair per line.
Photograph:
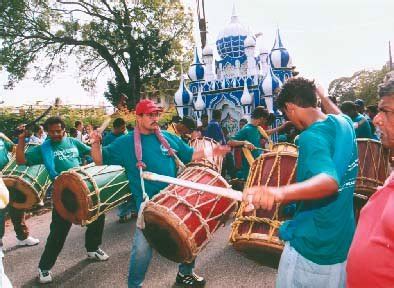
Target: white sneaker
98, 255
44, 276
29, 241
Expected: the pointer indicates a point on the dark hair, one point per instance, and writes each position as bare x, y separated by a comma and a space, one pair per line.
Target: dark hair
73, 132
130, 127
54, 120
189, 123
260, 112
36, 128
373, 109
205, 116
118, 122
217, 114
77, 123
299, 91
243, 120
349, 108
176, 119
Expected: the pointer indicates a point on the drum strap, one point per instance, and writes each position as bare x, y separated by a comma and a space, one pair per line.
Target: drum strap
265, 135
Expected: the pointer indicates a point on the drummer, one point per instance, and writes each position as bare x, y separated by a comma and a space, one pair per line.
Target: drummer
250, 137
157, 158
318, 238
186, 129
59, 154
17, 216
370, 261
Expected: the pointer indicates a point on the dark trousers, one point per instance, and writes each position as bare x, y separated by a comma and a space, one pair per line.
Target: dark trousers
57, 236
17, 219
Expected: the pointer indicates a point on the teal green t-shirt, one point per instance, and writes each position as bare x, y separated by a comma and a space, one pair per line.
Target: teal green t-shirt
154, 155
5, 147
364, 130
322, 230
248, 133
110, 137
67, 152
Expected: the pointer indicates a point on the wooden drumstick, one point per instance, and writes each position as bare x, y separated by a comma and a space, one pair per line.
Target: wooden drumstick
224, 192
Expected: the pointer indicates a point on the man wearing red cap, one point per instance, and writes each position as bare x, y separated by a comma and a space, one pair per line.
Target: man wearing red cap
149, 148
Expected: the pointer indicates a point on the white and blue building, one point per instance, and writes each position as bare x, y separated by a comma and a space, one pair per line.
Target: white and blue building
240, 79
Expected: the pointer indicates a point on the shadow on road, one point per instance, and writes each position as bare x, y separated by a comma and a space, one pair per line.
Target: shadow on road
61, 278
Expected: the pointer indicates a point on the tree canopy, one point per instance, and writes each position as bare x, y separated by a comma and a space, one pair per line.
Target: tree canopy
139, 42
361, 85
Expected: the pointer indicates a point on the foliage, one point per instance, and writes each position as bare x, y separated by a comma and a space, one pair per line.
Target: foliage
138, 43
10, 119
362, 84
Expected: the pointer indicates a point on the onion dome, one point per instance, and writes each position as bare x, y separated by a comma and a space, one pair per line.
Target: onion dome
199, 105
183, 96
230, 41
196, 70
279, 56
246, 98
250, 41
269, 84
207, 51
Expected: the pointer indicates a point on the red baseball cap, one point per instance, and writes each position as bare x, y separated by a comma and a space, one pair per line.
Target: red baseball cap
147, 106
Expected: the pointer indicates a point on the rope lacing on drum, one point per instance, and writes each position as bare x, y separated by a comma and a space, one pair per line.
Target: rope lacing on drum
256, 171
181, 200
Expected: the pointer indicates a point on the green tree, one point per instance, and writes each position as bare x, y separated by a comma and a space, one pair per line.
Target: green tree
136, 40
362, 84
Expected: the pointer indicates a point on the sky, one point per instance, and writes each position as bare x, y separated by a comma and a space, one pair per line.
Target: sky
326, 40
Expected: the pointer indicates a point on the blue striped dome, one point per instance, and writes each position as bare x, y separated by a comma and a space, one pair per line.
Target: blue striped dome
279, 56
196, 70
231, 39
269, 84
183, 96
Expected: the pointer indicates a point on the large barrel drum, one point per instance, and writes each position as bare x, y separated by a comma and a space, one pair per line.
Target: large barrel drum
82, 194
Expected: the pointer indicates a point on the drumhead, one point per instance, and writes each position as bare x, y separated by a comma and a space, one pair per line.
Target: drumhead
22, 195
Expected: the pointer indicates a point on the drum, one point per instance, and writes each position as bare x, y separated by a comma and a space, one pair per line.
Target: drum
206, 144
257, 231
179, 221
27, 184
285, 147
82, 194
374, 168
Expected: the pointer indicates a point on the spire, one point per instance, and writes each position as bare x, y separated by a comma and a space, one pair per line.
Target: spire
234, 15
246, 98
278, 41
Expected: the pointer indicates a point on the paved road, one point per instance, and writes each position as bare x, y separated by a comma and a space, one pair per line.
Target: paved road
219, 263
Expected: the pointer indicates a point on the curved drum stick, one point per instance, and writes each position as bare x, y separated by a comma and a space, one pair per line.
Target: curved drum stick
220, 191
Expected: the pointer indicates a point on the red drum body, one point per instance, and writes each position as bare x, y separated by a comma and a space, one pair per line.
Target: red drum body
207, 144
374, 168
179, 221
257, 231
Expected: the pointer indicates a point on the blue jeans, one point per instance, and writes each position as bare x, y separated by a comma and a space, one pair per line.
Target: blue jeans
295, 271
127, 208
141, 255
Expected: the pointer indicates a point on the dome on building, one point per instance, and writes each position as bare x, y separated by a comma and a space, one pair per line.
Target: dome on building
183, 96
250, 41
246, 98
279, 56
199, 105
196, 70
207, 51
230, 41
269, 84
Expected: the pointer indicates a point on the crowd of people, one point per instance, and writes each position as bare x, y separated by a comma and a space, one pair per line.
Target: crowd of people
322, 248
